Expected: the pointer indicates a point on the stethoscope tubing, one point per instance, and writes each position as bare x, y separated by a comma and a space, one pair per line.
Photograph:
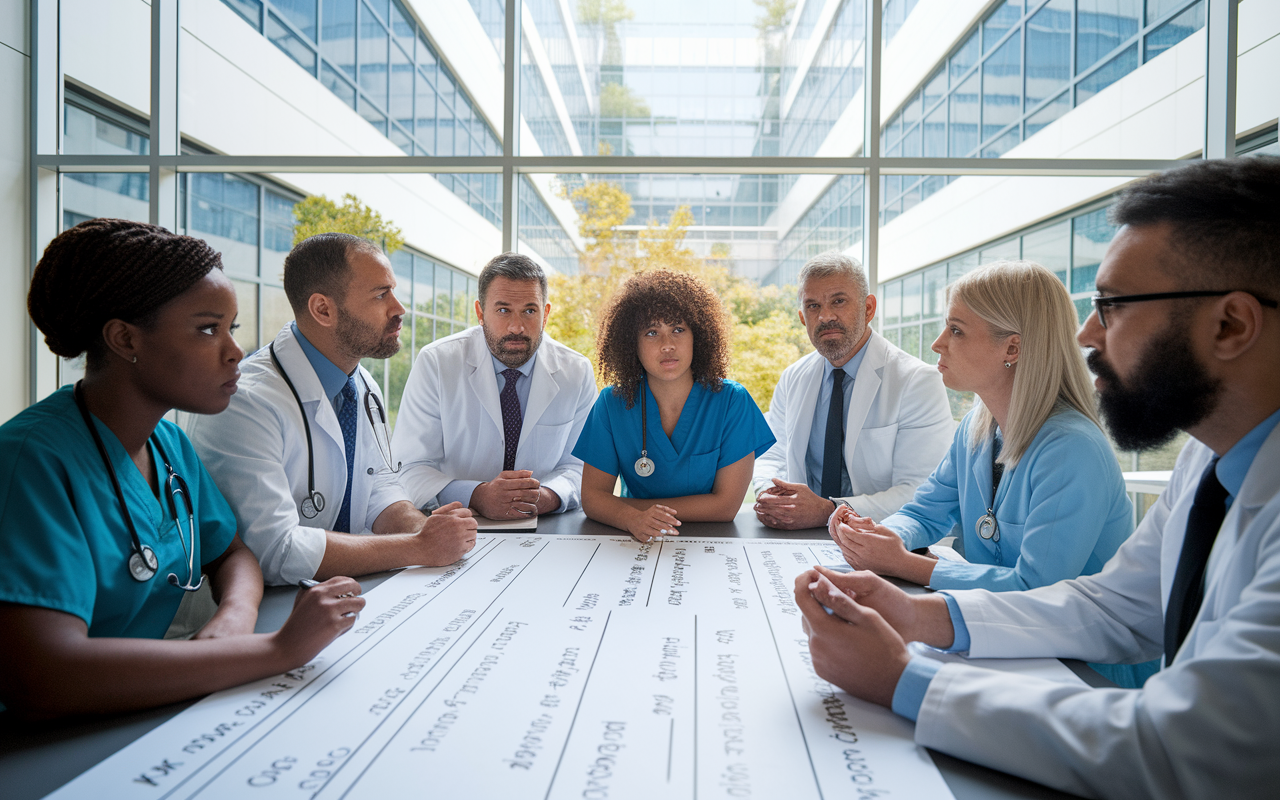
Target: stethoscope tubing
315, 497
174, 484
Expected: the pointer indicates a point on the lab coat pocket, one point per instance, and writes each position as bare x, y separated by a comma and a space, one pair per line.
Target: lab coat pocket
549, 442
1010, 545
700, 474
873, 455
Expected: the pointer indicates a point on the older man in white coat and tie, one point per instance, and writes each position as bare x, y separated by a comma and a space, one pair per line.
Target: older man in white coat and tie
858, 420
490, 416
1185, 335
301, 453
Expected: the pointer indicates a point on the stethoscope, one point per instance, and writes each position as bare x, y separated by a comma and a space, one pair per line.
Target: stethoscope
313, 503
987, 528
143, 563
644, 464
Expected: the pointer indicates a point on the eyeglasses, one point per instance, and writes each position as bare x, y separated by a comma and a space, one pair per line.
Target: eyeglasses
1100, 303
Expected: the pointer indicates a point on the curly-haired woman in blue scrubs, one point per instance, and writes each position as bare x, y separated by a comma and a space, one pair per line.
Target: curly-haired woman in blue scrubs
107, 518
682, 437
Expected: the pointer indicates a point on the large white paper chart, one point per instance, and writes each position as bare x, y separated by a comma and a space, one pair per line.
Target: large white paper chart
547, 667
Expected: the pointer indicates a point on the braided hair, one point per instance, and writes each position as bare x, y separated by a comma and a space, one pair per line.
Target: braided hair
105, 269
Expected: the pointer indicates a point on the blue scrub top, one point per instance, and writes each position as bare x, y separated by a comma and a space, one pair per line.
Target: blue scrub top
64, 544
715, 429
1063, 510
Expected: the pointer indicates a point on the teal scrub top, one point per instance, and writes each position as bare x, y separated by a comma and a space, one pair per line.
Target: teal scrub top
64, 544
715, 429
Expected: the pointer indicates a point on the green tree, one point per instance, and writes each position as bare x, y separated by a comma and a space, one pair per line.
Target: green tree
766, 331
319, 214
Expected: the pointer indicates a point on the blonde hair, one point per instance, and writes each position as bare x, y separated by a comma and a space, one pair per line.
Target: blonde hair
1024, 298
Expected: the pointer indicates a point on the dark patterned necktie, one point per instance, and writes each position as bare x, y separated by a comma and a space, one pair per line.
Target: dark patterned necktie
1203, 522
833, 448
512, 418
347, 421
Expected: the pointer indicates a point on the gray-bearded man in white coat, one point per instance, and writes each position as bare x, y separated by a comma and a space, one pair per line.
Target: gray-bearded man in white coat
489, 416
871, 443
1185, 335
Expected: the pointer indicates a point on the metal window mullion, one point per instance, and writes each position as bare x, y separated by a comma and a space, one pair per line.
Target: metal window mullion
43, 184
871, 146
1221, 28
163, 128
511, 125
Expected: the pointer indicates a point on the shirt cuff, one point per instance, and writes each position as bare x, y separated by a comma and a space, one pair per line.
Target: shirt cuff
961, 643
912, 686
458, 492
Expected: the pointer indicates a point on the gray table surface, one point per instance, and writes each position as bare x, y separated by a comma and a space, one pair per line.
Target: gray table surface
36, 759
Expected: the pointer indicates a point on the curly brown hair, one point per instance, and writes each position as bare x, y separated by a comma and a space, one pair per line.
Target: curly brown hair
660, 295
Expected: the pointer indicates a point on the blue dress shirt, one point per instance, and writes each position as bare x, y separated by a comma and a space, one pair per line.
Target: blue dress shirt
459, 491
1232, 468
332, 378
818, 433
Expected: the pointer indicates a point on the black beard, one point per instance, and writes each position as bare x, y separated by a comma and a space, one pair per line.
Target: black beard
1169, 391
360, 341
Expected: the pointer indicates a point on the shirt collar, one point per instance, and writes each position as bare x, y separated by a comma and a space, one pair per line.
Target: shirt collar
850, 367
1234, 465
331, 376
526, 369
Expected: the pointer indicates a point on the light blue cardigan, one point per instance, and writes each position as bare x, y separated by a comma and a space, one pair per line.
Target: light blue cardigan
1062, 510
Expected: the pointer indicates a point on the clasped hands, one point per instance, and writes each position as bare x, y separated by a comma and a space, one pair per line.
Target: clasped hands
514, 494
861, 645
866, 545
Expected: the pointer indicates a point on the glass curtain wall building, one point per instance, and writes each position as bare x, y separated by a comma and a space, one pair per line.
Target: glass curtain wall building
754, 116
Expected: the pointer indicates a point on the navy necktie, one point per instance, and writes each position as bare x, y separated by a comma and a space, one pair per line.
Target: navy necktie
347, 421
833, 447
1187, 593
512, 418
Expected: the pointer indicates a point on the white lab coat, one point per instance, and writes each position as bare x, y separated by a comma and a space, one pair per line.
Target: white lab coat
449, 426
256, 452
898, 428
1205, 727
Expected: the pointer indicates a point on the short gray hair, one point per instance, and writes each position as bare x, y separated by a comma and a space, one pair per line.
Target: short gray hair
830, 264
513, 267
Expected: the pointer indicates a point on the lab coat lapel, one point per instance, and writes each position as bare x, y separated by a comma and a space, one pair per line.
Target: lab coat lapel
481, 378
1261, 485
319, 408
800, 422
543, 388
866, 385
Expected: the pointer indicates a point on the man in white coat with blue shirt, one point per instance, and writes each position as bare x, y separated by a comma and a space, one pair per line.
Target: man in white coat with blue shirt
858, 420
1185, 335
489, 416
301, 453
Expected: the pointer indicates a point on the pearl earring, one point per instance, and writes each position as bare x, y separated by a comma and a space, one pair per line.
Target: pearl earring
1006, 364
135, 360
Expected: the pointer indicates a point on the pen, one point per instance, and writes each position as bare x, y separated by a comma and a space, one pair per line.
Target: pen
307, 583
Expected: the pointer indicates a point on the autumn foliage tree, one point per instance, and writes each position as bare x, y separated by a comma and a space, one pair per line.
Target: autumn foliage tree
319, 214
767, 335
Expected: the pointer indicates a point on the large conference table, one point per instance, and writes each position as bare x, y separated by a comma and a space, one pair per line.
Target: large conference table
37, 759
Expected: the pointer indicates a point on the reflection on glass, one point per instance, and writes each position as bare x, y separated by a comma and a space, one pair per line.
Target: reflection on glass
911, 340
338, 34
911, 298
1091, 233
276, 311
1174, 31
292, 44
1048, 51
1003, 251
1048, 113
892, 295
935, 292
928, 335
1107, 74
300, 13
964, 118
1050, 247
224, 212
999, 23
1002, 87
246, 315
1103, 26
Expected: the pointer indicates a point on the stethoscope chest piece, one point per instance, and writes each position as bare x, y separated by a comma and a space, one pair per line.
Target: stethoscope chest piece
987, 528
644, 466
143, 564
312, 505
